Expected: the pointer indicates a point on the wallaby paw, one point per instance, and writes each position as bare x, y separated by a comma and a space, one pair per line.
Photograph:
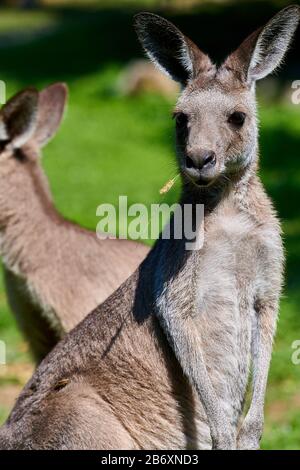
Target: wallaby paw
249, 436
224, 442
248, 443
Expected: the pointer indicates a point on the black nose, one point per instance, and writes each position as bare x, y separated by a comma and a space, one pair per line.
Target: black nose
201, 160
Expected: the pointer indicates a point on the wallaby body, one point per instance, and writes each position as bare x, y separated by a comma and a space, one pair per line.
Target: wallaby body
149, 405
115, 381
55, 271
121, 386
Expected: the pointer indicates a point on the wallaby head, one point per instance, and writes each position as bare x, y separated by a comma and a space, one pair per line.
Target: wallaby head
27, 122
216, 122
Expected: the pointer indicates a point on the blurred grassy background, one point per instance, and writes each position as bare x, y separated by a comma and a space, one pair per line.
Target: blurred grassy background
111, 144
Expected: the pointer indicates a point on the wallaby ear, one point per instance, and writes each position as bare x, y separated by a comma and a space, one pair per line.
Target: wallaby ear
18, 117
51, 105
169, 49
262, 52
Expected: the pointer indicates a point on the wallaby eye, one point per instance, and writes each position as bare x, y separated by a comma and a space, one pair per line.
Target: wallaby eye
3, 144
181, 120
237, 118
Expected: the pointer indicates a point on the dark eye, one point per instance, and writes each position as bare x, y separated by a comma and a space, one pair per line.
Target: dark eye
181, 120
237, 118
3, 144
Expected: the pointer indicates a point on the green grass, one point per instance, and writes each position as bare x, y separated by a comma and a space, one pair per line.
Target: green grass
120, 137
9, 332
11, 20
110, 145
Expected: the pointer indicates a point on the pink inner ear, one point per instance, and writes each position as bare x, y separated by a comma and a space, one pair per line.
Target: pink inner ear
51, 107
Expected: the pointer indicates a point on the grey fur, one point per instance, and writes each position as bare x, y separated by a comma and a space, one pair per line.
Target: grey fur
55, 272
114, 381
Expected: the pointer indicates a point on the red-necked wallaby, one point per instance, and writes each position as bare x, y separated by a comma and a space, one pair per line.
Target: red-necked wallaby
55, 271
115, 382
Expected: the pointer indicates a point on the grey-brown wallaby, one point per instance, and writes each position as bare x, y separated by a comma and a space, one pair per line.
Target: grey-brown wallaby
114, 382
55, 271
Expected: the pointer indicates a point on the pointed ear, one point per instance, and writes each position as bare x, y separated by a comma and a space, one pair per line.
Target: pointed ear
18, 117
175, 54
51, 105
262, 52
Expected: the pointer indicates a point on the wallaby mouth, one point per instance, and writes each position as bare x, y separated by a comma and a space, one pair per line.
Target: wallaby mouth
198, 180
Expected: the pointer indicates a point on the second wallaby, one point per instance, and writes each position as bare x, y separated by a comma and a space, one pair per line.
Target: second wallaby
164, 363
55, 271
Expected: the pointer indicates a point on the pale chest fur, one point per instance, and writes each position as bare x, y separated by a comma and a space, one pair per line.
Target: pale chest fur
229, 276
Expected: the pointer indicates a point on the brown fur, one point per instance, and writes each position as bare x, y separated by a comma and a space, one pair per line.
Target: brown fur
55, 271
165, 362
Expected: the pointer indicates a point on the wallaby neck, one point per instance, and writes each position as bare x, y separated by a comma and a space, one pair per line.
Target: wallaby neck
211, 197
28, 218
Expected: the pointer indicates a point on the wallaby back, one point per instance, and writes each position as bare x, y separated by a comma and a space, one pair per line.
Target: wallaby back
55, 271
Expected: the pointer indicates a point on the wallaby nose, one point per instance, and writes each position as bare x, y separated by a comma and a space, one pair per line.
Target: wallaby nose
201, 159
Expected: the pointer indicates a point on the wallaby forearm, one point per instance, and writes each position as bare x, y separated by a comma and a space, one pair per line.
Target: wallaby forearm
178, 316
251, 431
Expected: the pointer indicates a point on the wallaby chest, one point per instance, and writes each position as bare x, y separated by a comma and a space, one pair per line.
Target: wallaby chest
225, 295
